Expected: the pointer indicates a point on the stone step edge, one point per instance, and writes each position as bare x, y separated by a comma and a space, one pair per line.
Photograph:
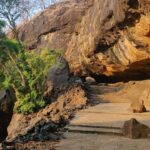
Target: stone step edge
90, 131
88, 126
87, 129
115, 113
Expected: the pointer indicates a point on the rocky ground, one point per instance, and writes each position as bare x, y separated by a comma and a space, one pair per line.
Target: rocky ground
41, 130
101, 127
77, 141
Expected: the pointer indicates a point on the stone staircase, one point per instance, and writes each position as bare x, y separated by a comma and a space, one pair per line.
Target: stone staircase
105, 118
87, 129
96, 91
81, 124
102, 89
100, 125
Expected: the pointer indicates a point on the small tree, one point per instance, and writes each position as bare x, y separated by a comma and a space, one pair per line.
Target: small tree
11, 11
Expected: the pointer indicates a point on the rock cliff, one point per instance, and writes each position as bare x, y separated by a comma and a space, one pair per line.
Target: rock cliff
97, 37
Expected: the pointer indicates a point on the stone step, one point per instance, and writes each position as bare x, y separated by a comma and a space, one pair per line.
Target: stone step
95, 89
109, 115
94, 129
106, 98
96, 97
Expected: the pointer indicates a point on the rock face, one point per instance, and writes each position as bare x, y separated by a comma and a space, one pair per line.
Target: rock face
99, 37
54, 27
114, 41
134, 129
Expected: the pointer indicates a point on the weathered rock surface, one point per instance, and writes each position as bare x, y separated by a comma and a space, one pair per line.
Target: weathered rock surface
98, 37
58, 79
134, 129
54, 27
44, 124
114, 41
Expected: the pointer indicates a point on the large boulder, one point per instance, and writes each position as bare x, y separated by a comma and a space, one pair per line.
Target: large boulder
134, 129
57, 80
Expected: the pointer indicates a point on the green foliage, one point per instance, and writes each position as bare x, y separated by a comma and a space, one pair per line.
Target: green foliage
25, 72
11, 11
35, 75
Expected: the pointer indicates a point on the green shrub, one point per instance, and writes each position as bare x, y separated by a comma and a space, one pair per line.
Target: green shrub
26, 73
39, 64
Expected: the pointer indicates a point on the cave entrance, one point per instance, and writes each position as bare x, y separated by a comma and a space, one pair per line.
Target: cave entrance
136, 72
120, 78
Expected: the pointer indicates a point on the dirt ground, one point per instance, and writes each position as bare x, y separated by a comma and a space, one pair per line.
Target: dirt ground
78, 141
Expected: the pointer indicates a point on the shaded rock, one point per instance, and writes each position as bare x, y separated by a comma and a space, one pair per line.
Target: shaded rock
41, 131
59, 75
134, 129
57, 80
6, 111
32, 129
